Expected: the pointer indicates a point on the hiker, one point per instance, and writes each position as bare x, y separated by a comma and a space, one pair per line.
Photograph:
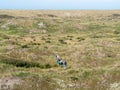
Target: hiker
65, 64
58, 61
57, 57
61, 63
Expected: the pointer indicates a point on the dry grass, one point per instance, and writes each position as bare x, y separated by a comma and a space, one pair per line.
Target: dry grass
88, 40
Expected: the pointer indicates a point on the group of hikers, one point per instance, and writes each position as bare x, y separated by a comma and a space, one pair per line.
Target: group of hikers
60, 62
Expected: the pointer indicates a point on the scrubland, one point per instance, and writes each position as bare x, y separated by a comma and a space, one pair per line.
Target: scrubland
88, 40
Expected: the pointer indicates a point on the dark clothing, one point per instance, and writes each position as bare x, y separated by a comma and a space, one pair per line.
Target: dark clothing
65, 63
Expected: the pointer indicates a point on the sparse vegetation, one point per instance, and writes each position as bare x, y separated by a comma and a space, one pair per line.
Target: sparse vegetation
88, 40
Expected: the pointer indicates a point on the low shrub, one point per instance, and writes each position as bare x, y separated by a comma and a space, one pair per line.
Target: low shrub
25, 46
80, 38
116, 14
96, 36
43, 38
6, 16
51, 15
62, 41
74, 78
47, 66
70, 36
35, 43
116, 32
20, 63
48, 41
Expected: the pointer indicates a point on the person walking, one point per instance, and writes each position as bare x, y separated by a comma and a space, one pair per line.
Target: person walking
61, 63
65, 64
58, 59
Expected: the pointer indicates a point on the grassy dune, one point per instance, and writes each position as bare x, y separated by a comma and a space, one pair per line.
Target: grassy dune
88, 40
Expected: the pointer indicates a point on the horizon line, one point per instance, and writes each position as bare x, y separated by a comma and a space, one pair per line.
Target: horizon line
60, 9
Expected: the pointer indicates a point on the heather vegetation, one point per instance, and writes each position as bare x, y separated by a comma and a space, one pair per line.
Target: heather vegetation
88, 40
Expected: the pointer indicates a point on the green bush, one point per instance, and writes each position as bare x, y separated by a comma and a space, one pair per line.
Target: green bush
70, 36
48, 41
116, 32
25, 46
47, 66
6, 16
62, 41
80, 38
43, 38
20, 63
74, 78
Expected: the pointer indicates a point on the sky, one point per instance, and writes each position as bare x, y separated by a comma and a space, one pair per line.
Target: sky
60, 4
